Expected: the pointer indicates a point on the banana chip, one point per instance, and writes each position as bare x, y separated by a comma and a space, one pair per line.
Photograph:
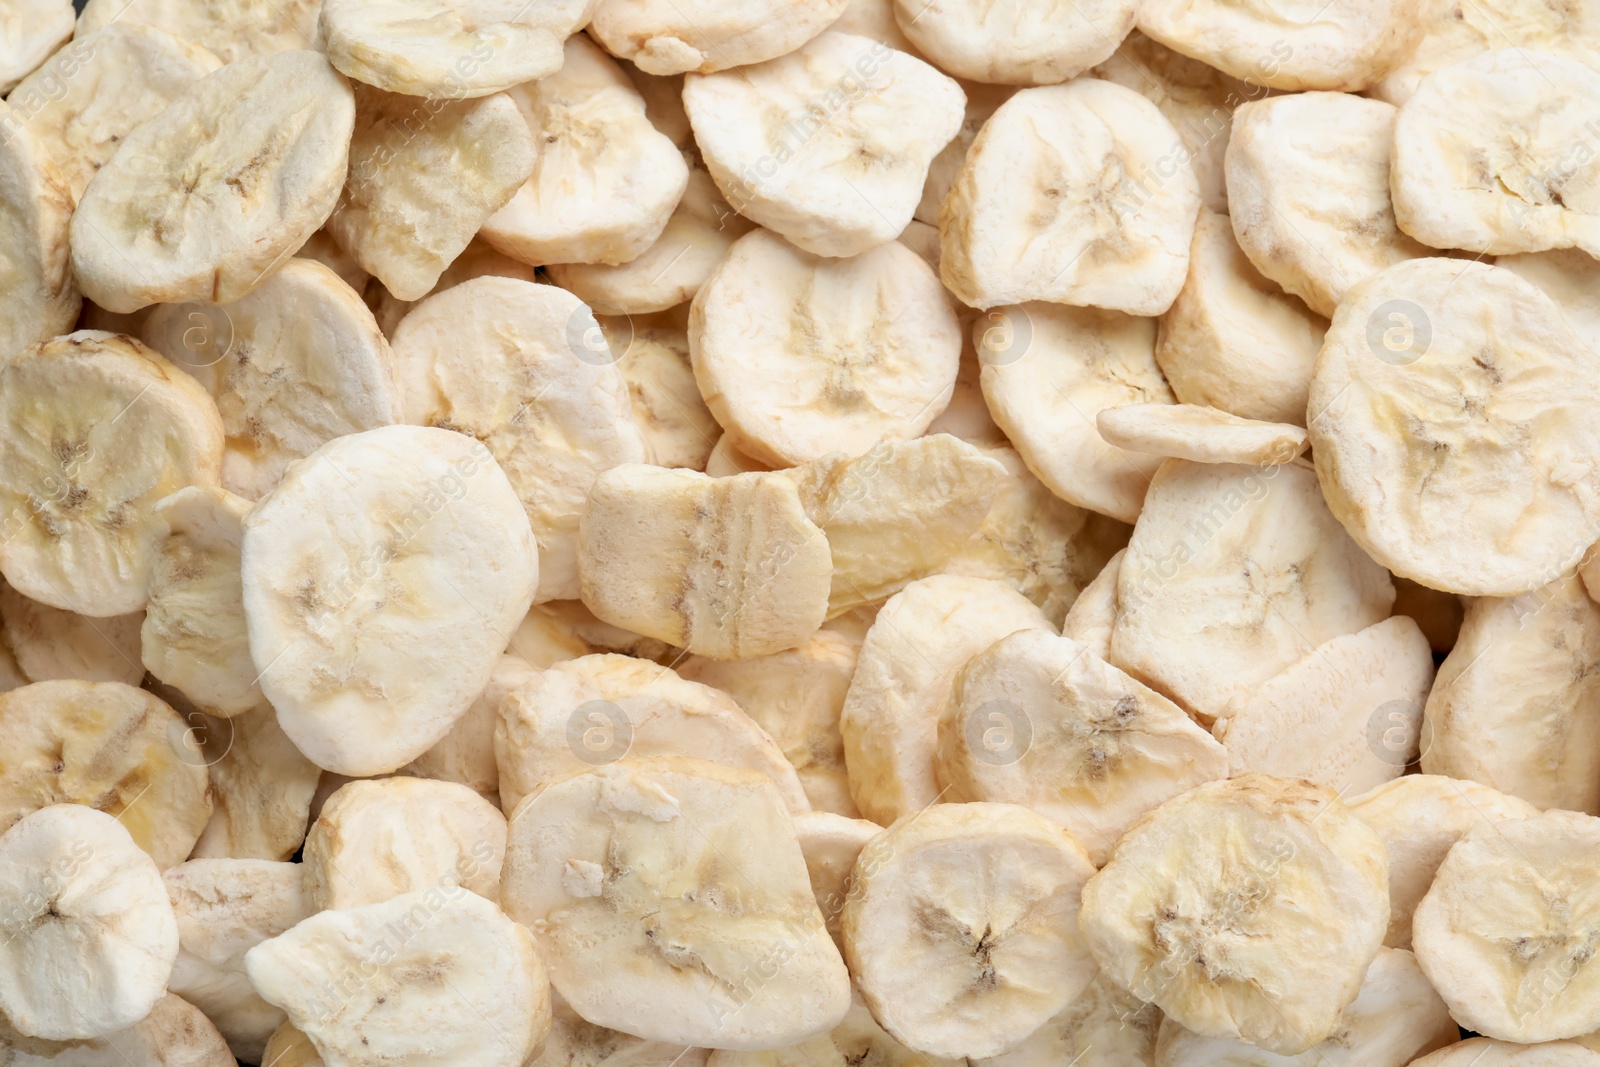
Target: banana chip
49, 644
231, 30
1016, 42
39, 297
175, 1032
675, 36
34, 30
1200, 434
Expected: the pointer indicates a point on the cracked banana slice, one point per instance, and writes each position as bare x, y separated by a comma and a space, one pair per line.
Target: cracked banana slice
903, 679
726, 567
1484, 1052
849, 173
229, 29
604, 182
676, 36
1308, 193
34, 29
1420, 817
174, 1034
466, 755
961, 927
224, 908
1494, 154
261, 784
1347, 716
1103, 1026
204, 200
88, 935
39, 297
1048, 371
857, 1039
1233, 340
1451, 422
798, 356
677, 427
1254, 553
1200, 434
1016, 42
49, 644
1569, 277
670, 897
1248, 909
430, 978
509, 362
1041, 721
831, 845
1514, 704
111, 747
1093, 615
576, 1042
1101, 225
381, 580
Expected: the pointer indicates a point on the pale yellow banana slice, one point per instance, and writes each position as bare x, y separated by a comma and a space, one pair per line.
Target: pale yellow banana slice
675, 36
1103, 1026
576, 1042
50, 644
982, 102
1213, 902
466, 755
1449, 418
831, 845
662, 893
1016, 42
1093, 615
38, 295
1569, 277
479, 258
857, 1039
1199, 433
34, 29
1485, 1052
229, 29
261, 784
677, 427
288, 1047
1437, 612
174, 1033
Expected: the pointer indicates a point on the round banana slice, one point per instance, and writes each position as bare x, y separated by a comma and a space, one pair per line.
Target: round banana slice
1396, 1017
1039, 720
1016, 42
174, 1033
39, 298
111, 747
857, 1039
466, 755
1048, 371
1257, 556
439, 975
1484, 1052
1102, 1026
961, 927
34, 30
261, 783
1200, 434
676, 36
288, 1047
677, 426
1233, 340
526, 370
204, 200
604, 182
1569, 277
1094, 614
224, 908
831, 845
849, 174
87, 936
726, 567
1212, 901
576, 1042
1512, 706
798, 356
670, 897
381, 579
1102, 225
1420, 817
50, 644
1493, 154
1451, 421
1308, 193
228, 29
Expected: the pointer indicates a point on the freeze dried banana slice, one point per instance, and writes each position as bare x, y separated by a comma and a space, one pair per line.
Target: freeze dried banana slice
727, 567
1101, 225
1484, 1052
576, 1042
229, 29
525, 369
1308, 193
890, 720
1209, 906
88, 935
857, 1039
1451, 421
466, 754
1569, 277
441, 976
1041, 721
675, 36
111, 747
1093, 615
224, 908
38, 295
49, 644
479, 259
1254, 553
1494, 154
798, 356
34, 30
831, 845
261, 783
604, 182
1514, 703
549, 634
1048, 371
174, 1034
381, 580
1102, 1025
677, 427
1016, 42
1232, 339
660, 890
204, 200
1199, 433
961, 927
873, 120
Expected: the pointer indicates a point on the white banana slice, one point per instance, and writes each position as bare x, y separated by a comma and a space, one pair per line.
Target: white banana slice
1493, 154
1103, 1026
677, 427
228, 29
203, 200
526, 370
1257, 556
49, 644
676, 36
1199, 433
34, 30
961, 927
1484, 1052
1094, 614
382, 578
1450, 421
670, 898
903, 679
1420, 817
857, 1039
849, 176
1016, 42
429, 978
111, 747
466, 755
982, 102
87, 936
1041, 721
831, 845
1212, 901
798, 356
576, 1042
1569, 277
39, 297
260, 782
1102, 225
174, 1034
1048, 371
288, 1047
